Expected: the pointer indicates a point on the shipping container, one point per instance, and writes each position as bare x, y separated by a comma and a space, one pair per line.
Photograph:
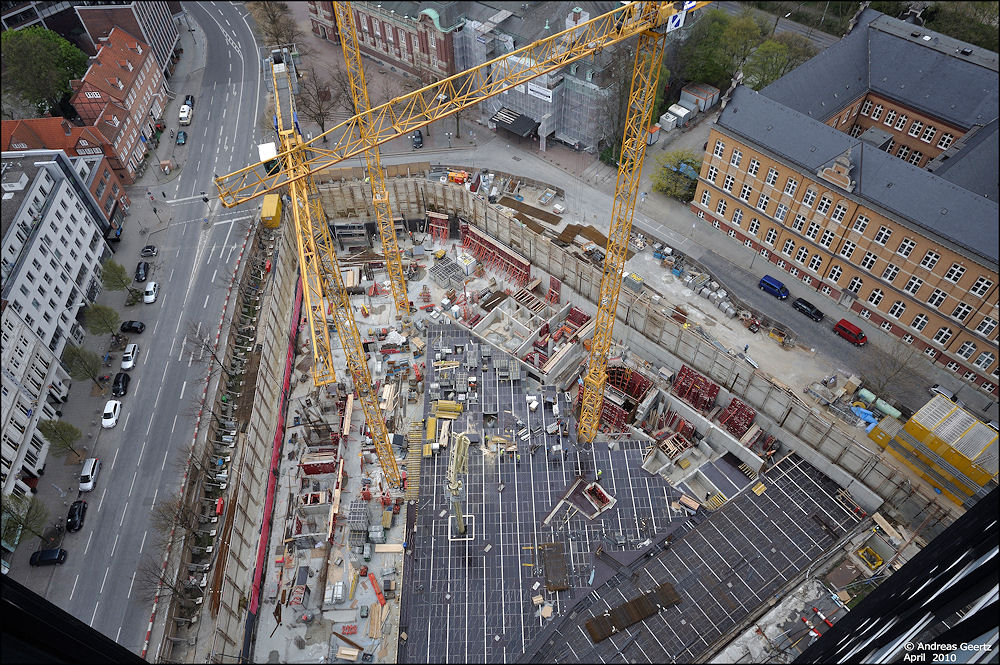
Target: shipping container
270, 211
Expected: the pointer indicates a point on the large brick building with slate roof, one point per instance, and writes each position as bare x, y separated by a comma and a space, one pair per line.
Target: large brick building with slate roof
870, 174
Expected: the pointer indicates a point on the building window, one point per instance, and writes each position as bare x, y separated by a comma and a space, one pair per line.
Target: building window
794, 272
986, 326
984, 360
809, 198
855, 285
812, 231
890, 272
906, 339
745, 193
954, 273
856, 131
868, 261
824, 205
706, 198
815, 262
771, 236
762, 202
721, 207
802, 254
712, 174
727, 184
981, 286
915, 158
913, 285
903, 152
890, 117
798, 223
736, 158
737, 216
847, 249
754, 226
720, 148
838, 213
962, 310
861, 223
928, 134
876, 297
877, 112
780, 263
883, 235
945, 141
966, 350
886, 326
989, 387
901, 122
825, 290
781, 212
943, 334
865, 313
866, 107
905, 247
915, 128
753, 167
788, 247
827, 239
772, 177
937, 297
790, 186
953, 366
897, 309
930, 352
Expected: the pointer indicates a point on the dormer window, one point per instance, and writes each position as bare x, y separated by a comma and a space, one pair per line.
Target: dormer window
92, 95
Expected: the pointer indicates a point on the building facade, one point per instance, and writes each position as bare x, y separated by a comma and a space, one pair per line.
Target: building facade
873, 186
53, 243
151, 22
59, 134
34, 383
122, 95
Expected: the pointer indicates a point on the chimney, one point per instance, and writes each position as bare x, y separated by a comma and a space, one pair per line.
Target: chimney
577, 11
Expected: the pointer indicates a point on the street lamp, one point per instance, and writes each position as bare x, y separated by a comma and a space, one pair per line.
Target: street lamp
448, 134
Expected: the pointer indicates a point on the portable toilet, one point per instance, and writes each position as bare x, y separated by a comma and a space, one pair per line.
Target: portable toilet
667, 122
652, 134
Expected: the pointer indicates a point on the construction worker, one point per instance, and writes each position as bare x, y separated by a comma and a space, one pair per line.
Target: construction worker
517, 458
599, 472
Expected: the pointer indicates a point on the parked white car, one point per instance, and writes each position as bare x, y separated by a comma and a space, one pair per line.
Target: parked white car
149, 295
129, 357
112, 410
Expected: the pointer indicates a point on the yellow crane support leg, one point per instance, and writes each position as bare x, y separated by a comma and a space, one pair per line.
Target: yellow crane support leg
373, 159
646, 70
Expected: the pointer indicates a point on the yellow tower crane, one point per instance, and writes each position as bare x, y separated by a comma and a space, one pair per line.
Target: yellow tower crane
373, 160
321, 277
649, 21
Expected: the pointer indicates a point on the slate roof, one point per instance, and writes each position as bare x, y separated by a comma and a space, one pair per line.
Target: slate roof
958, 201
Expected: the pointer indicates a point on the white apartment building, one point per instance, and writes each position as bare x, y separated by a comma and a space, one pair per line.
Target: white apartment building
33, 384
53, 243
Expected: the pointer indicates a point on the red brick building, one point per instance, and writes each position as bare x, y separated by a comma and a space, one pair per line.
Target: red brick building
122, 95
59, 134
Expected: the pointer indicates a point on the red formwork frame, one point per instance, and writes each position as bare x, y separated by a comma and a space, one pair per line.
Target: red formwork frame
494, 257
737, 418
438, 226
695, 389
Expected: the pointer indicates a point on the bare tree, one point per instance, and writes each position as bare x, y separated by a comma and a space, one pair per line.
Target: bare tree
203, 348
173, 521
82, 364
275, 24
316, 100
22, 513
61, 436
153, 577
883, 367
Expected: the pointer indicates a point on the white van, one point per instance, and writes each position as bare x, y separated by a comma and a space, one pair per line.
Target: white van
185, 115
91, 469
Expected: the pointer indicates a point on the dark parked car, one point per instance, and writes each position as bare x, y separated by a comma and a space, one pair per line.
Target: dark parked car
133, 327
141, 271
120, 385
808, 309
418, 139
182, 137
48, 557
147, 251
77, 513
189, 100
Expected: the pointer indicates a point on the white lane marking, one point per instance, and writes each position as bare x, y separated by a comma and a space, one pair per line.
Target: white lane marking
73, 590
183, 386
88, 543
119, 633
124, 511
155, 326
156, 402
131, 584
190, 358
133, 483
101, 502
114, 460
174, 340
174, 425
214, 273
94, 615
115, 546
105, 579
143, 543
125, 424
205, 306
165, 452
171, 278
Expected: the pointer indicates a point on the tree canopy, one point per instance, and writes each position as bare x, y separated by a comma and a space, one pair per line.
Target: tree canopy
38, 65
81, 363
115, 277
677, 175
101, 320
61, 436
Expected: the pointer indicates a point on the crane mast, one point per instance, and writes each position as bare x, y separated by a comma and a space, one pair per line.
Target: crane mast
320, 268
373, 160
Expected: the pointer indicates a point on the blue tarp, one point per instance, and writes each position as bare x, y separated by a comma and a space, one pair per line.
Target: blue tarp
864, 414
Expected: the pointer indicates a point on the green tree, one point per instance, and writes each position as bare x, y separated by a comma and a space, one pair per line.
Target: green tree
115, 277
38, 65
739, 39
671, 178
82, 364
702, 53
22, 513
61, 436
101, 320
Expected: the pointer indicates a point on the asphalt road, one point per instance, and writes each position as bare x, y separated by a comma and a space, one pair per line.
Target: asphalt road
142, 455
